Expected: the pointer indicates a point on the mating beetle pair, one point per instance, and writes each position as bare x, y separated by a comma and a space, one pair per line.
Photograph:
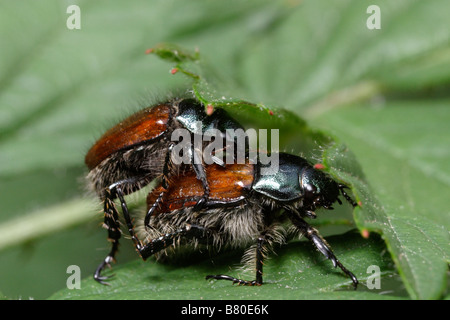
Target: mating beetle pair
138, 150
218, 204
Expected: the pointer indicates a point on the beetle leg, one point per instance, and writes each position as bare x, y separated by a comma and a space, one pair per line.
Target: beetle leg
126, 214
112, 225
152, 210
346, 196
259, 268
321, 245
158, 244
166, 240
164, 183
197, 165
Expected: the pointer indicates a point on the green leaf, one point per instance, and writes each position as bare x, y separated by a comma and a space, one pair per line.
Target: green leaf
415, 230
382, 93
296, 272
417, 245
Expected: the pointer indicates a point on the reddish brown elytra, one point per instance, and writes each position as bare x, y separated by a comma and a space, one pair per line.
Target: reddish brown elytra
142, 126
228, 185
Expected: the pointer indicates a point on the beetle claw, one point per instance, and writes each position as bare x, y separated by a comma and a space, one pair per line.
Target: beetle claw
310, 214
201, 203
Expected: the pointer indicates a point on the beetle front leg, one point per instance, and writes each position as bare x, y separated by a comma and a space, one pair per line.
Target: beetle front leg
199, 169
321, 245
164, 184
197, 165
259, 268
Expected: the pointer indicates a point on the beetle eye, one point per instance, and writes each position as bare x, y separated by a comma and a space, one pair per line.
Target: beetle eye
309, 188
310, 192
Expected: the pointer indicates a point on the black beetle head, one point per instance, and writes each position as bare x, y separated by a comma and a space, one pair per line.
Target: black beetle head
319, 190
296, 179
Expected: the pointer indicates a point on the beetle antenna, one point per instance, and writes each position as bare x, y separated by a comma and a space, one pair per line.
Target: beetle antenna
346, 196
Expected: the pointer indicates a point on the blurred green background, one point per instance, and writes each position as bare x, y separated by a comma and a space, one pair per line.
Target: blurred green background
385, 93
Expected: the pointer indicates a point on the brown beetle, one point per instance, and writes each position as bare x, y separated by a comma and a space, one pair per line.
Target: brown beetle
244, 208
138, 150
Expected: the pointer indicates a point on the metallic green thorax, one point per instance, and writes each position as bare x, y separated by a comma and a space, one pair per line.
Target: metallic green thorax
293, 179
284, 184
191, 112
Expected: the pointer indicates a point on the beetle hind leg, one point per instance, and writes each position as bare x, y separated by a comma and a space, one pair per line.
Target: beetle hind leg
112, 225
259, 268
155, 245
